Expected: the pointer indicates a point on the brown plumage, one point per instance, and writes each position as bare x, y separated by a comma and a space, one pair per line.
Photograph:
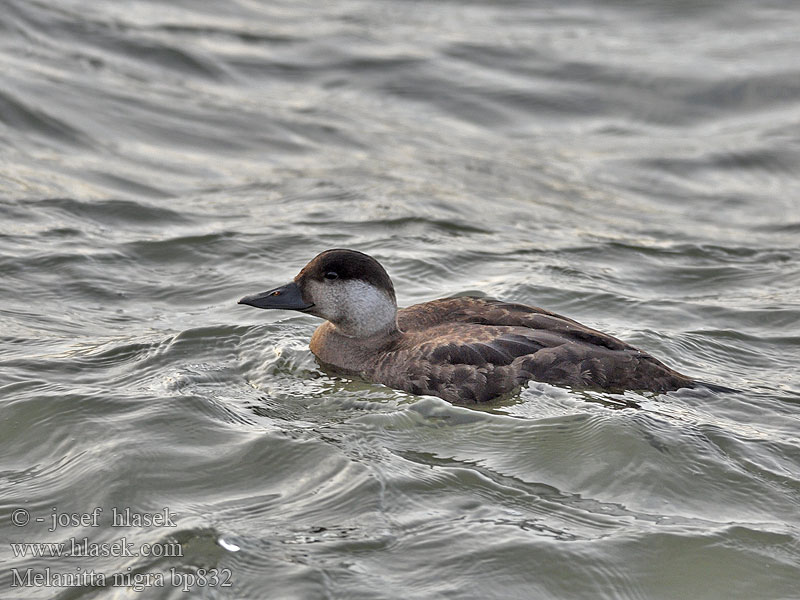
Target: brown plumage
474, 349
464, 350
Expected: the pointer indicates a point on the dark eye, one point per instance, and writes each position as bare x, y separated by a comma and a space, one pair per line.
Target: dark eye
331, 275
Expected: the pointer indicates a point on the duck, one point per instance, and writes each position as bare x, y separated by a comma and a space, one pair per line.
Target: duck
463, 349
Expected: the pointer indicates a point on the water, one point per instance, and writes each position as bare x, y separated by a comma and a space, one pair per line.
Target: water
632, 166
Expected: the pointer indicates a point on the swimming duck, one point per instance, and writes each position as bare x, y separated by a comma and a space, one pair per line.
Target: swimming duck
463, 349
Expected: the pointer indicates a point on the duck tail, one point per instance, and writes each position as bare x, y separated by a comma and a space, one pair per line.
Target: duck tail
714, 387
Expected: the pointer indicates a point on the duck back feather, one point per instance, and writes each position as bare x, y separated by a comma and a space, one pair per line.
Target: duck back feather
473, 349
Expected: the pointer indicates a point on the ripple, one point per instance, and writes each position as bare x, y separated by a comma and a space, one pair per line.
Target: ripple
158, 161
17, 114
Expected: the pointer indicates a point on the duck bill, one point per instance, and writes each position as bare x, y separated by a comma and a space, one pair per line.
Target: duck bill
286, 297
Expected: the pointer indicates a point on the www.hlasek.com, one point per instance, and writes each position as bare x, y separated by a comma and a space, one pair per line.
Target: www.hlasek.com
82, 548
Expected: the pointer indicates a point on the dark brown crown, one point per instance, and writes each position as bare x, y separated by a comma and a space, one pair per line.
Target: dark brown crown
347, 265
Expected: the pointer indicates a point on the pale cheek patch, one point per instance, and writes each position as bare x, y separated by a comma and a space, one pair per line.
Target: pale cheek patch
369, 310
356, 308
324, 300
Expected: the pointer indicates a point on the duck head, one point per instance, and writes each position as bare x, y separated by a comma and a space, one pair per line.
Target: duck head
348, 288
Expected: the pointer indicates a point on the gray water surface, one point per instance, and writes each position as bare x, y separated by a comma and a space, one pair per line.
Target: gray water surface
631, 165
